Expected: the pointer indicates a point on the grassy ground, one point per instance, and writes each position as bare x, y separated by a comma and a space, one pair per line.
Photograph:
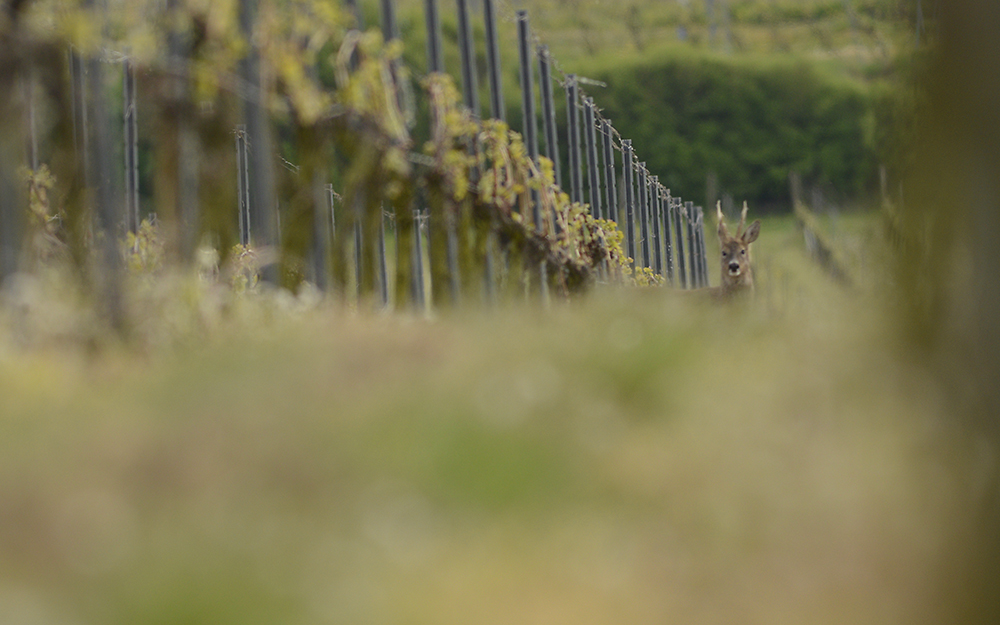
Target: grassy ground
859, 36
626, 457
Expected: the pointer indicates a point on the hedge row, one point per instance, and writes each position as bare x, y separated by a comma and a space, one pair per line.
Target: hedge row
749, 124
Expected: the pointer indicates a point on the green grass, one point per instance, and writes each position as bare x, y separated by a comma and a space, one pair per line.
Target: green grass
626, 457
582, 31
588, 35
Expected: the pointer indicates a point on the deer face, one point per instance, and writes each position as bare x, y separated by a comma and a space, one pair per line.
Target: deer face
735, 260
736, 270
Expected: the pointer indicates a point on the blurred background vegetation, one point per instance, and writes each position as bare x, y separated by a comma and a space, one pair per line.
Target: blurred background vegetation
728, 97
825, 455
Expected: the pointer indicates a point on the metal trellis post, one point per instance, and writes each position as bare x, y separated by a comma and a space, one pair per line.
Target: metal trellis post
655, 210
243, 183
573, 130
679, 220
528, 104
434, 58
643, 187
591, 140
470, 89
627, 175
549, 112
668, 247
610, 177
493, 61
131, 147
690, 214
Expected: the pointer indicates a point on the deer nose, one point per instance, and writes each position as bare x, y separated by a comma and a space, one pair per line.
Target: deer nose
734, 267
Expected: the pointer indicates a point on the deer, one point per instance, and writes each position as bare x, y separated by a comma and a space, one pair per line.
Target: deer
737, 272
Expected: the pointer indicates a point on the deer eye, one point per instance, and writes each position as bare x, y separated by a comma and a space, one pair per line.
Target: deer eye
724, 254
743, 252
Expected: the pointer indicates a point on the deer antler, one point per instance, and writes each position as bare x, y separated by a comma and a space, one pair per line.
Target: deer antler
721, 220
743, 220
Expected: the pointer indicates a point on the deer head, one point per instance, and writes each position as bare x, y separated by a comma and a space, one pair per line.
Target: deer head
737, 274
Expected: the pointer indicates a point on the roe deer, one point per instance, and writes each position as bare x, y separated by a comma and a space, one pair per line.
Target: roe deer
737, 274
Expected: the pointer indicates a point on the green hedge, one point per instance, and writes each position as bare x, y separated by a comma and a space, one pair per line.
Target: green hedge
750, 123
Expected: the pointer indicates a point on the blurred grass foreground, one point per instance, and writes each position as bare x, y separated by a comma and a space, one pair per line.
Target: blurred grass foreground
827, 454
627, 457
622, 459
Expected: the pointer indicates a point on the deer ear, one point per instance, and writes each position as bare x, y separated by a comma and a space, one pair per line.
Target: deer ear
751, 234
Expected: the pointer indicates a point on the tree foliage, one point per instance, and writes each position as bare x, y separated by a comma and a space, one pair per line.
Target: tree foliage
749, 124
